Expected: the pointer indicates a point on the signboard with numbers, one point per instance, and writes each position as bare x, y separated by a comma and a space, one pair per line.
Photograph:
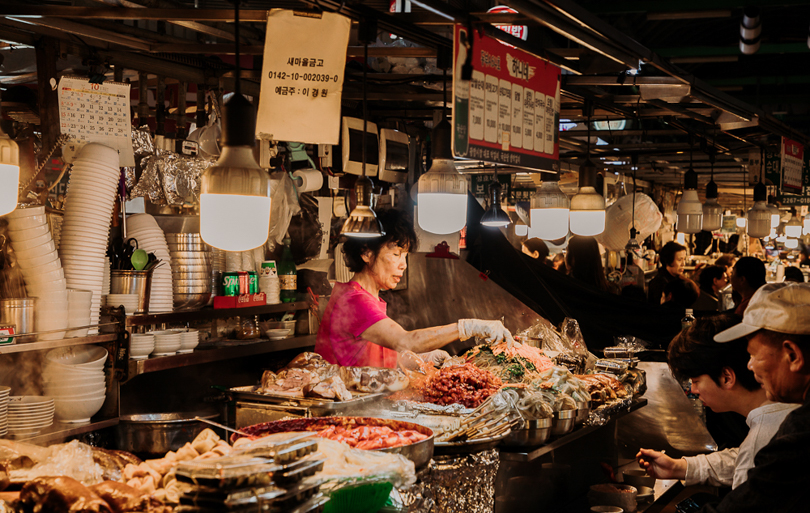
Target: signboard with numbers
509, 112
97, 113
795, 169
302, 80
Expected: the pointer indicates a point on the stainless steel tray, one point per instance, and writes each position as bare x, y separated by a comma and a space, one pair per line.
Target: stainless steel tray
315, 404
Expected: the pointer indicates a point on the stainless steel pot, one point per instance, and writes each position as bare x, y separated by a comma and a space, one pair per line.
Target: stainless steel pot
563, 422
20, 313
535, 432
159, 433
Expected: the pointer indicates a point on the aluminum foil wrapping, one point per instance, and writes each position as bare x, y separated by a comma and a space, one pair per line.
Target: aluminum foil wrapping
130, 178
149, 185
431, 409
180, 176
142, 143
455, 483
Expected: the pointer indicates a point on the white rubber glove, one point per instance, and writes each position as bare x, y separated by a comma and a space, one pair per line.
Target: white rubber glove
436, 357
490, 331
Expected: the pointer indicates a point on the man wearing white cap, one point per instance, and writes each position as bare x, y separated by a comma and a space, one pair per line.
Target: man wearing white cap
777, 324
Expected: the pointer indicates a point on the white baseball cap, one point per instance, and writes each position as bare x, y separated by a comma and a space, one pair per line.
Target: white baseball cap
782, 307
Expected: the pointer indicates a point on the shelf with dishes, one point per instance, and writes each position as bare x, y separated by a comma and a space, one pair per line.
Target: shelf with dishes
223, 350
53, 344
213, 313
60, 431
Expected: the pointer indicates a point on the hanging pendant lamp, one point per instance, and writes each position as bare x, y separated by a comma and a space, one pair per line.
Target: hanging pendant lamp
235, 191
9, 173
362, 221
793, 228
550, 210
712, 211
587, 214
633, 244
495, 216
442, 198
690, 211
759, 217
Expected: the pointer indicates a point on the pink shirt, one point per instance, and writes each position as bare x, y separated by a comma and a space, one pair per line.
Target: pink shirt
350, 312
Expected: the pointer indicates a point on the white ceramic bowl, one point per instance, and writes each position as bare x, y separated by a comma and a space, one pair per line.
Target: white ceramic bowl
45, 267
42, 249
97, 381
29, 233
26, 212
24, 223
46, 288
22, 245
77, 410
49, 298
85, 357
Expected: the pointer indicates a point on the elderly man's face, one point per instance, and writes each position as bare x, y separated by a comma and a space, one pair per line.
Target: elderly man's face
771, 365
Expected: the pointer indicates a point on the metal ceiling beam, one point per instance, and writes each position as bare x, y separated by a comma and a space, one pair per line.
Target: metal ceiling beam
717, 51
86, 31
132, 13
645, 6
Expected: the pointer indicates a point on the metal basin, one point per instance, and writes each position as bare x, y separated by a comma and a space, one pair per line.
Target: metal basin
419, 453
191, 300
535, 432
181, 275
187, 246
583, 410
563, 422
159, 433
183, 259
183, 237
182, 283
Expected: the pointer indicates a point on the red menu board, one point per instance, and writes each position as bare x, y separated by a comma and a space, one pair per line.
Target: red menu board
509, 112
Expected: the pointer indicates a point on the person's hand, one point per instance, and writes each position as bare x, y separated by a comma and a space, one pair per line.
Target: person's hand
490, 331
660, 466
435, 357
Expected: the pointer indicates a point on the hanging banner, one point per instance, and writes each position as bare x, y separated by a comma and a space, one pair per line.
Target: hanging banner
795, 174
302, 78
509, 112
97, 113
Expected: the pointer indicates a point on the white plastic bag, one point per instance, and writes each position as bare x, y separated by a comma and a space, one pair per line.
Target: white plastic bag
619, 218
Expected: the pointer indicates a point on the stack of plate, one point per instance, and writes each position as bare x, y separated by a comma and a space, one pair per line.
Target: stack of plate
4, 393
166, 342
128, 301
74, 377
86, 227
188, 341
146, 231
141, 345
191, 271
41, 268
29, 414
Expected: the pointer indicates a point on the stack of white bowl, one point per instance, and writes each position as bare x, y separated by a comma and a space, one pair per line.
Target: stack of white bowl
29, 414
189, 339
74, 377
128, 301
4, 393
167, 342
141, 345
105, 283
151, 239
79, 304
41, 269
86, 228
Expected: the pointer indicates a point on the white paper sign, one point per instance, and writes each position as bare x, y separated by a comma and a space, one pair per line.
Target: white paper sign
97, 113
302, 82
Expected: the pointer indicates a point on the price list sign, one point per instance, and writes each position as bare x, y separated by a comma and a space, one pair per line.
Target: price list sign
302, 82
795, 182
97, 113
508, 113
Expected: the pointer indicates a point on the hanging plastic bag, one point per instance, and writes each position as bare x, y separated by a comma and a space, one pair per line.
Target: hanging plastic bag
284, 205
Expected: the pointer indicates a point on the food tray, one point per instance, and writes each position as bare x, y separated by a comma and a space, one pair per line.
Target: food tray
470, 446
420, 452
280, 448
317, 405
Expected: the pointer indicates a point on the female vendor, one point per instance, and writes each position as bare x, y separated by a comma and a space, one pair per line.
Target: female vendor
355, 330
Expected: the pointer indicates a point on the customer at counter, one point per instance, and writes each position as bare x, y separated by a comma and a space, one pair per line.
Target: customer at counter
583, 261
722, 381
355, 330
748, 275
777, 325
712, 280
794, 274
673, 259
535, 248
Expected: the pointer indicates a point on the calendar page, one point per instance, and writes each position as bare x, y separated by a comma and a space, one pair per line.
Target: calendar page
97, 113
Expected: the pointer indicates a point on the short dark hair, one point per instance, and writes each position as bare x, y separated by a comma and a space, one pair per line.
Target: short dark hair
398, 228
752, 269
794, 274
667, 253
535, 244
694, 352
708, 275
725, 260
684, 292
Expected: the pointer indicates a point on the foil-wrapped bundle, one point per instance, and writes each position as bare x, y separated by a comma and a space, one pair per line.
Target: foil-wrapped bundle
180, 176
142, 143
149, 185
454, 483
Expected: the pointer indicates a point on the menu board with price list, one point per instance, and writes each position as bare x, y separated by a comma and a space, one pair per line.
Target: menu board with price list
98, 113
795, 176
508, 113
302, 77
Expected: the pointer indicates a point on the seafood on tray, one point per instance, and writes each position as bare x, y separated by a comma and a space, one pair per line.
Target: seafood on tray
309, 375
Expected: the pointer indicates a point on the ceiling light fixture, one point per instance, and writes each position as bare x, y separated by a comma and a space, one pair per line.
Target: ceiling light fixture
550, 210
793, 228
587, 211
9, 173
712, 211
495, 216
759, 217
441, 202
362, 221
235, 191
690, 211
792, 243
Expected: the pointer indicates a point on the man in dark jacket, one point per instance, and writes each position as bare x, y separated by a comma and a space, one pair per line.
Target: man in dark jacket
777, 324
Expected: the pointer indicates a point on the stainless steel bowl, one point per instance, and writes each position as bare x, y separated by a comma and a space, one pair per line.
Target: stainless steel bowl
181, 283
583, 410
563, 422
180, 275
159, 433
191, 300
196, 247
535, 432
191, 269
182, 259
192, 290
184, 237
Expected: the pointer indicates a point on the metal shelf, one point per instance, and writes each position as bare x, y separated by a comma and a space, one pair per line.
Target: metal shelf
223, 351
59, 431
513, 454
53, 344
212, 313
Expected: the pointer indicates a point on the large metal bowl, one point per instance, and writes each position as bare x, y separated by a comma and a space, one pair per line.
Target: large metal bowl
583, 410
183, 237
183, 275
535, 432
196, 247
419, 453
181, 283
192, 290
181, 259
159, 433
191, 300
563, 422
